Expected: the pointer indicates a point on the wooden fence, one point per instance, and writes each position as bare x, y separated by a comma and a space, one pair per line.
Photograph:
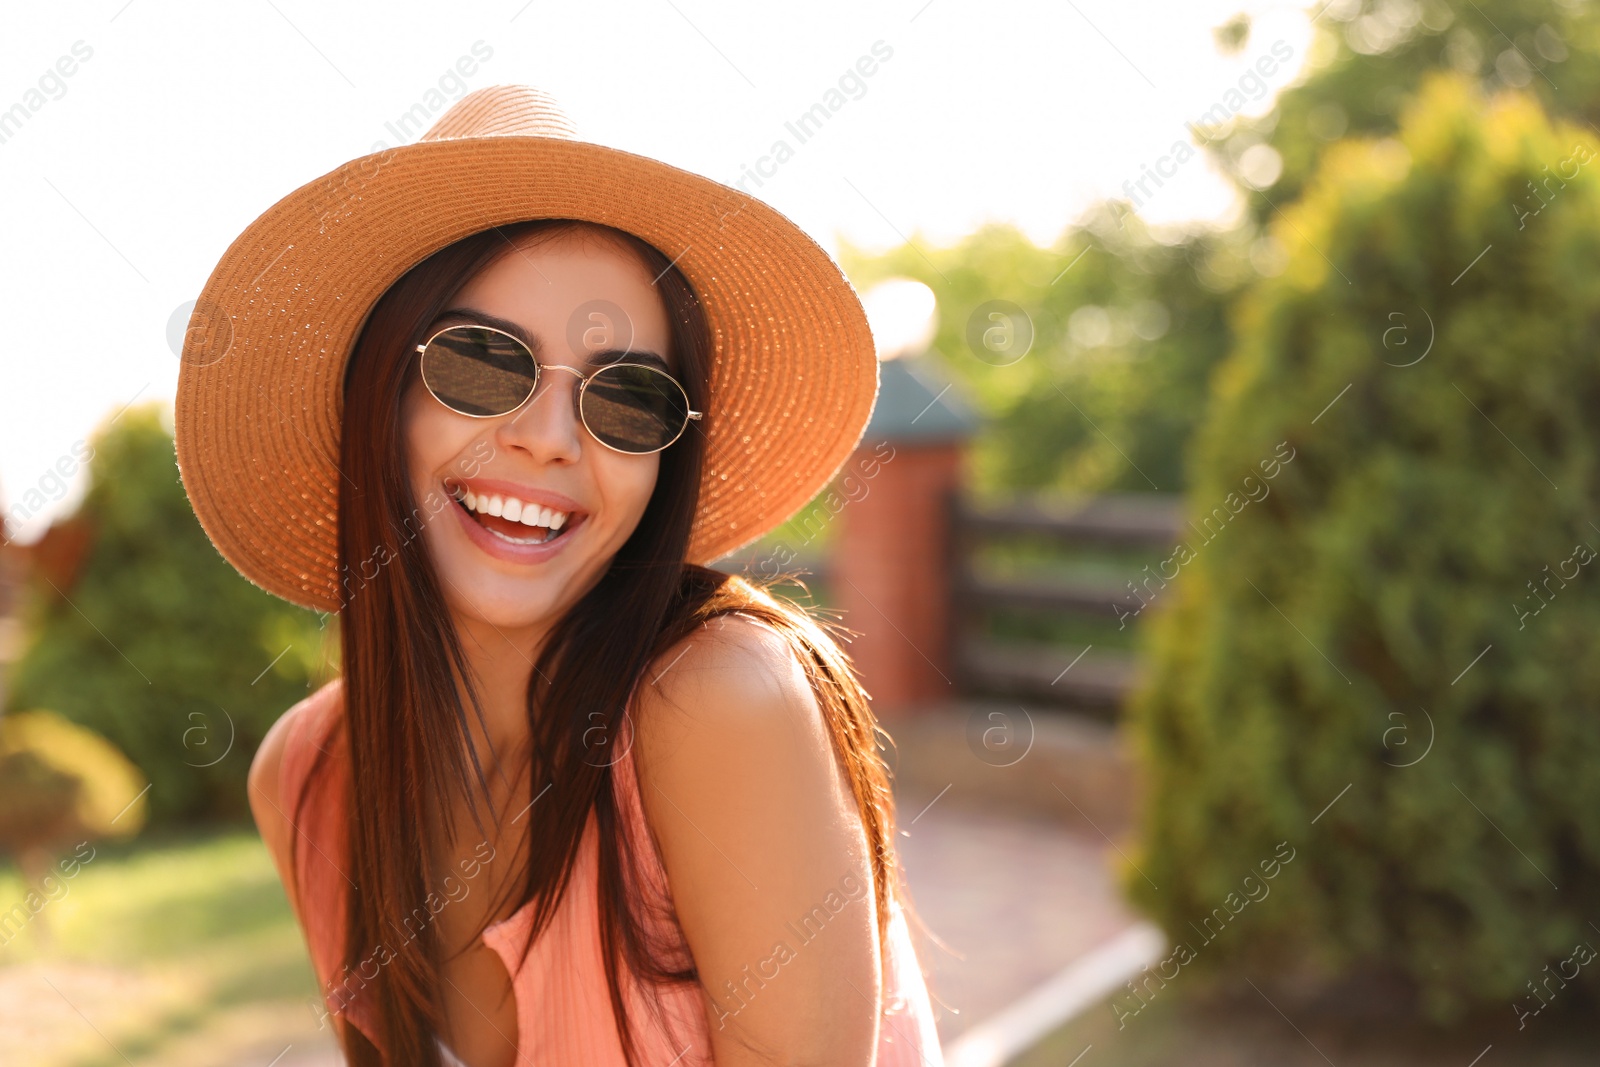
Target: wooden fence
1085, 676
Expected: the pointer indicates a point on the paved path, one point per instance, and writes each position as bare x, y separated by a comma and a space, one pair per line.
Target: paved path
1014, 901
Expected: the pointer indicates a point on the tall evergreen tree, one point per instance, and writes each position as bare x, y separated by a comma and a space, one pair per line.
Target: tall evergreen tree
155, 642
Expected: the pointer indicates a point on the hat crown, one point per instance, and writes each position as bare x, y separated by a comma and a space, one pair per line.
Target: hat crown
504, 111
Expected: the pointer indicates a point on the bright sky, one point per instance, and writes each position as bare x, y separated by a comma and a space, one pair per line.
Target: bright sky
129, 177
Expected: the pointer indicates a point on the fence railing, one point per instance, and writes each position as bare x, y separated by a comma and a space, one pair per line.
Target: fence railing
1078, 674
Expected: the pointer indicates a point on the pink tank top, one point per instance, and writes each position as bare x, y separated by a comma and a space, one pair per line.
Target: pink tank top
564, 1013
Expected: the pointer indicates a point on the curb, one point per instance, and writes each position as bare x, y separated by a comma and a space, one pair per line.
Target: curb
1081, 984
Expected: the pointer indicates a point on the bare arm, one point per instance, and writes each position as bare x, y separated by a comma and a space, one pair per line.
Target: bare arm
765, 853
267, 807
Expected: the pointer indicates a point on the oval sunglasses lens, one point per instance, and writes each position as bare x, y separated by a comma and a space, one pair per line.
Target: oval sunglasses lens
634, 408
478, 371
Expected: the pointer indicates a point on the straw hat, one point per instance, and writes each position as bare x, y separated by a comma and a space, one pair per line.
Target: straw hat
794, 374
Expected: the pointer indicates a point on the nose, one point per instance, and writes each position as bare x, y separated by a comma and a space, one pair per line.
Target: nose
547, 426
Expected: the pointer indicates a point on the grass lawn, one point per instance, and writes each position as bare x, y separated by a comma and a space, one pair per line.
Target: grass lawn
1243, 1030
176, 950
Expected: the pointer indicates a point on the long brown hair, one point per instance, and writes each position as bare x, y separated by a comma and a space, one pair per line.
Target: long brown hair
406, 706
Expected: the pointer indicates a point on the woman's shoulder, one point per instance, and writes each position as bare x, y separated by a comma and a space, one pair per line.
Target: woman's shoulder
734, 663
738, 636
279, 761
304, 723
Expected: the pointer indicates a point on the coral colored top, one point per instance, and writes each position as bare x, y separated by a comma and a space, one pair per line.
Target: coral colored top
564, 1013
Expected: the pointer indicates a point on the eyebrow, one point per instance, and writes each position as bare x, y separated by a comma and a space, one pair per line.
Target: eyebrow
593, 359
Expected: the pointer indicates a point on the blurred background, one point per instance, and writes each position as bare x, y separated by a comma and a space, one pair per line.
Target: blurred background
1238, 426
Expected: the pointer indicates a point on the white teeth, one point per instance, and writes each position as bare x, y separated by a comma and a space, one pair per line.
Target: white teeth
520, 540
514, 510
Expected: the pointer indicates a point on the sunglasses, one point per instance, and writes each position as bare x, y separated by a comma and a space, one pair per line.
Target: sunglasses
483, 372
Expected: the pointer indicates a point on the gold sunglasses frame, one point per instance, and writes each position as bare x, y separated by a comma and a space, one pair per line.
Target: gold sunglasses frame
538, 371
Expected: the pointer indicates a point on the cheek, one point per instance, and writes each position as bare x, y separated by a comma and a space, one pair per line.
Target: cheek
626, 484
433, 438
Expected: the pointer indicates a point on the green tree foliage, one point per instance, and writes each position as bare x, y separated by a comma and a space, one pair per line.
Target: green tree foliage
1125, 331
158, 644
1370, 56
1404, 628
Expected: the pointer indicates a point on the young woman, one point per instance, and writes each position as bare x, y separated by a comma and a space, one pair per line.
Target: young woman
576, 798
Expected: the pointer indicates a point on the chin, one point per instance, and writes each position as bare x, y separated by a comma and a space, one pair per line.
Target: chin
508, 606
510, 576
479, 587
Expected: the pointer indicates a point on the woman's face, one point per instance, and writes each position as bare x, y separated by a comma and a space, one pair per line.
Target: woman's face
570, 296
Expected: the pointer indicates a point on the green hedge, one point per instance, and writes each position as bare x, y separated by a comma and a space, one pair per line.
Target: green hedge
158, 644
1330, 635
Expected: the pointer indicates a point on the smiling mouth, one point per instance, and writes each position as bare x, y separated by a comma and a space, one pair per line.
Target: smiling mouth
511, 520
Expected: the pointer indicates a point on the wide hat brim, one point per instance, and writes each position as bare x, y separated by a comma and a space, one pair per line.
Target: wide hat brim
794, 373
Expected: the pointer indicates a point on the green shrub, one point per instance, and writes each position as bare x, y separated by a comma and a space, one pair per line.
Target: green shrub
158, 644
1331, 634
